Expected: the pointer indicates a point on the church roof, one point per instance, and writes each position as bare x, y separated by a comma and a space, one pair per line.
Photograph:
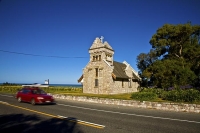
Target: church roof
80, 79
119, 70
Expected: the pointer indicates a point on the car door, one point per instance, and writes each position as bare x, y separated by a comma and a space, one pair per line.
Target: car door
25, 95
22, 94
29, 95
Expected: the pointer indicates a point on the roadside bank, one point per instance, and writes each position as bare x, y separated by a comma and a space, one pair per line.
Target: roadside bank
168, 106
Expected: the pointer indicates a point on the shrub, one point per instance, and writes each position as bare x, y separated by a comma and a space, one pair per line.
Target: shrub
144, 96
157, 91
175, 95
190, 95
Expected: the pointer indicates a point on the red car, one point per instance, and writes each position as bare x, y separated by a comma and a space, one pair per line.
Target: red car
34, 95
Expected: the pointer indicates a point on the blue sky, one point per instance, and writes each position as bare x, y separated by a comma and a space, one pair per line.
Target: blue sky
67, 28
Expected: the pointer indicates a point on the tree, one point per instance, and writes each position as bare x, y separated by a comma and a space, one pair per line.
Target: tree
174, 59
143, 62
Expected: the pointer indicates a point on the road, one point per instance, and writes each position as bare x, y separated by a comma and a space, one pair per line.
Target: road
80, 117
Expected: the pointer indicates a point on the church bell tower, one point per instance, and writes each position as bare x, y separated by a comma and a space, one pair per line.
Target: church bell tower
101, 51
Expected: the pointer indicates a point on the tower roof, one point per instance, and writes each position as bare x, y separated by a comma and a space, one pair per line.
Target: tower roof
98, 43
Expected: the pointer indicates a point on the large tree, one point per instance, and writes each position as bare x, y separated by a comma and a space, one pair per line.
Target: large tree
143, 62
174, 59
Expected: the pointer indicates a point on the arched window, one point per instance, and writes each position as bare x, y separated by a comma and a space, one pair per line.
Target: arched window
93, 58
96, 71
97, 75
99, 57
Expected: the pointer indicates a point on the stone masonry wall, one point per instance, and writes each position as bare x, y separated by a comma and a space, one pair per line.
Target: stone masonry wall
195, 108
134, 85
117, 87
106, 83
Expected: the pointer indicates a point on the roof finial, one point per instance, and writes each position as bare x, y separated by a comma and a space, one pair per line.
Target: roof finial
101, 39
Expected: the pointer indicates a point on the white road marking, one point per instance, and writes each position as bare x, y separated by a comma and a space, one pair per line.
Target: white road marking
5, 95
146, 116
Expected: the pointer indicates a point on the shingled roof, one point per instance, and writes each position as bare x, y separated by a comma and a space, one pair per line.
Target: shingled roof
119, 70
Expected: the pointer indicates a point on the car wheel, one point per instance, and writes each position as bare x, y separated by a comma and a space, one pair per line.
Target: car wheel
19, 99
33, 101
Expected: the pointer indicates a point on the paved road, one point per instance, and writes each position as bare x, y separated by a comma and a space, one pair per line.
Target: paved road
80, 117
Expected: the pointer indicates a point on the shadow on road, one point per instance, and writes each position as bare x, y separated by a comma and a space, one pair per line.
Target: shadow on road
20, 123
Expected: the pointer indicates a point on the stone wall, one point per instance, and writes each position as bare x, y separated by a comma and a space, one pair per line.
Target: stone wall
104, 78
195, 108
117, 87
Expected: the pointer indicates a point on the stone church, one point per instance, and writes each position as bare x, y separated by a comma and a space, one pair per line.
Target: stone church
103, 75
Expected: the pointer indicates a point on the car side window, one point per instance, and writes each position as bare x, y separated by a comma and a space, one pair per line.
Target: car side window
25, 91
28, 91
34, 91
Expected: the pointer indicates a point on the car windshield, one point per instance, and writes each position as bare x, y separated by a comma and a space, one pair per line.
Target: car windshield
38, 91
